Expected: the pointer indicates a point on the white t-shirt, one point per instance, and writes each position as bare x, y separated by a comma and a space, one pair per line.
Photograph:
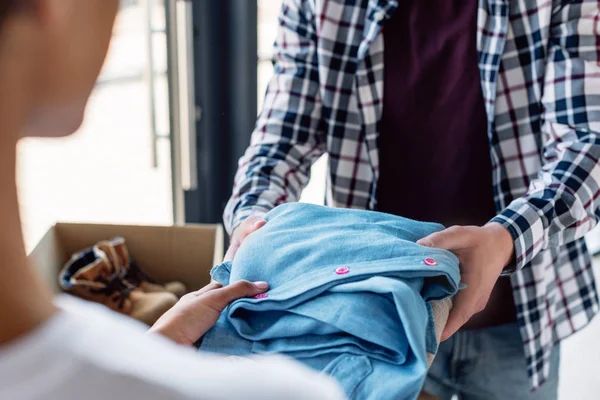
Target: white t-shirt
88, 352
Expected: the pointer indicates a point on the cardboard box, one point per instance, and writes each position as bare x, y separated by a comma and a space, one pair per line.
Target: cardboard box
166, 253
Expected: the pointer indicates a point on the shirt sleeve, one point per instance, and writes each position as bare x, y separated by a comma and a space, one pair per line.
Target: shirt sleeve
289, 135
561, 204
110, 356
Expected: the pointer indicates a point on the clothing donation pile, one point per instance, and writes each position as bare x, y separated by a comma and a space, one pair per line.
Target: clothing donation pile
350, 295
105, 273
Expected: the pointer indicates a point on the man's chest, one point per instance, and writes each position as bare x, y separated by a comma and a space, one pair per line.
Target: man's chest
511, 36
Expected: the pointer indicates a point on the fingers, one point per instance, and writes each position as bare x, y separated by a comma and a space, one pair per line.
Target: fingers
460, 314
233, 248
248, 226
453, 238
207, 288
220, 298
466, 303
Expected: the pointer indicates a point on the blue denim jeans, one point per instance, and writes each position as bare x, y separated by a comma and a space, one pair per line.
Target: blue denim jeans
487, 364
349, 296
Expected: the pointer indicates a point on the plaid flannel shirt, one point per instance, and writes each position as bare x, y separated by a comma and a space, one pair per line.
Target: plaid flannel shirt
540, 76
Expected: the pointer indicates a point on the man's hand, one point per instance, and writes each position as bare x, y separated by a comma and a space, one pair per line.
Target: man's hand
483, 252
248, 226
197, 312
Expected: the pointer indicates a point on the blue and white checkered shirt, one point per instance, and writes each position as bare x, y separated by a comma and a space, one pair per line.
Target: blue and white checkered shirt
539, 64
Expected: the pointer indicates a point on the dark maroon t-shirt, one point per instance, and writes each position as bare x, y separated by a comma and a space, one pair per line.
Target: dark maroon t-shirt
433, 146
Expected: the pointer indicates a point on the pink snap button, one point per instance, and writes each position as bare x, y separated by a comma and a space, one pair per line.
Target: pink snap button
430, 261
342, 270
261, 296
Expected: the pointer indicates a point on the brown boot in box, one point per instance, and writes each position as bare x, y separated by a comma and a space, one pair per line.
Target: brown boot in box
91, 276
117, 252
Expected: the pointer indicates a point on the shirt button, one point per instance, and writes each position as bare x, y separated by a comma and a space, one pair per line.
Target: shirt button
342, 270
430, 261
261, 296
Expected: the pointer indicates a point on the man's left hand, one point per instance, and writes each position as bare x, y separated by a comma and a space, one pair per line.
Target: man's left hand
483, 253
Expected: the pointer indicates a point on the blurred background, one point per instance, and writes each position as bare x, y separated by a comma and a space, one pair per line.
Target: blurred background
171, 114
122, 166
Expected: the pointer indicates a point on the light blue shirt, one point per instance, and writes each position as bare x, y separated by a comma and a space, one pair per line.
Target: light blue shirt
349, 293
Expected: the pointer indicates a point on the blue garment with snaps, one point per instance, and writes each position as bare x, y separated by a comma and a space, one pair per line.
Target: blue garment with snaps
349, 296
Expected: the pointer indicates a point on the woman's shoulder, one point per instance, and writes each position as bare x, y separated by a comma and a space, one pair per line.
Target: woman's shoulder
88, 351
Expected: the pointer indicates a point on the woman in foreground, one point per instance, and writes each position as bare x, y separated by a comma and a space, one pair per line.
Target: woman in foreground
51, 52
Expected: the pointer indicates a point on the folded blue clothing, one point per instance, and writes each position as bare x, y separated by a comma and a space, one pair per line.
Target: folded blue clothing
349, 295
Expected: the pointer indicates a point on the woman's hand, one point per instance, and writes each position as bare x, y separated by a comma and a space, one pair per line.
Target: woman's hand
483, 253
197, 312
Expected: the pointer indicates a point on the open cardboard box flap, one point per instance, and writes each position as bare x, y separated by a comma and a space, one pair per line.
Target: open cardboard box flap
166, 253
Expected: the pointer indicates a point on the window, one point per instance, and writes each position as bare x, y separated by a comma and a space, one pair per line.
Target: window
115, 169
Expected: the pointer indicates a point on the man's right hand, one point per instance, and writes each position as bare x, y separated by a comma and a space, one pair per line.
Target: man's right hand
240, 233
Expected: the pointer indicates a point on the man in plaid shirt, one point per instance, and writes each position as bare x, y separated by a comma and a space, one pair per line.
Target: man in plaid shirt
401, 95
